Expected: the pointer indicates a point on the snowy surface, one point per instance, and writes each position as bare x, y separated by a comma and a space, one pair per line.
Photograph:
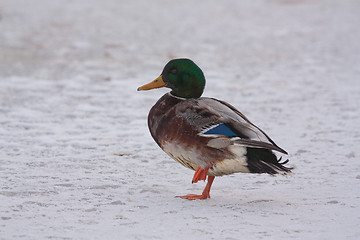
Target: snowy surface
77, 160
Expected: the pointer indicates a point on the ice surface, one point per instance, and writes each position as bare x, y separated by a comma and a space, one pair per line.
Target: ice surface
77, 160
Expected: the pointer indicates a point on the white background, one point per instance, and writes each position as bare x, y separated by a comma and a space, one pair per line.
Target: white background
77, 160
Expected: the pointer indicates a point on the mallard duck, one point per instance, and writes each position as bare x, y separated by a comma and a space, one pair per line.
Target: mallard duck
207, 135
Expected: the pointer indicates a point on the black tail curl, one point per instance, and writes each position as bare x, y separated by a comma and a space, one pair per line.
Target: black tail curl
265, 161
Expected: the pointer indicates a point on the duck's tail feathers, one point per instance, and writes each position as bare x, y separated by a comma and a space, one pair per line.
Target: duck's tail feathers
265, 161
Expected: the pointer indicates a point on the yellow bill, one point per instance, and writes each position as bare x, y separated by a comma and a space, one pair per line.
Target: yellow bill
157, 83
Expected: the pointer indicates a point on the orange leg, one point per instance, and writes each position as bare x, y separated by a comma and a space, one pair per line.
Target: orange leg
205, 194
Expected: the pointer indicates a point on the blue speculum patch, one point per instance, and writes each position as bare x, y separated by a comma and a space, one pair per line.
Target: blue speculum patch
221, 129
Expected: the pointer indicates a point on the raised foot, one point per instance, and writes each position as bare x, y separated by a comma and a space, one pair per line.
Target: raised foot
200, 174
194, 197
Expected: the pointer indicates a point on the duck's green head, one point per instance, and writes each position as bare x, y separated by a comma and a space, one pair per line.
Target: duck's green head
183, 76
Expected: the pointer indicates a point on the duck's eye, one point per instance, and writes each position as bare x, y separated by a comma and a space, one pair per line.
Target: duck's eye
173, 71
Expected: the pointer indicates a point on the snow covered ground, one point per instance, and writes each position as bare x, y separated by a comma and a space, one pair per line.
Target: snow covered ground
77, 160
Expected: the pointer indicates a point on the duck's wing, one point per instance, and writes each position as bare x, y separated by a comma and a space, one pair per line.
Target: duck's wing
217, 119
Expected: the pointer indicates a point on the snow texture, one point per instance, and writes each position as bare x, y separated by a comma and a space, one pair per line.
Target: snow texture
77, 160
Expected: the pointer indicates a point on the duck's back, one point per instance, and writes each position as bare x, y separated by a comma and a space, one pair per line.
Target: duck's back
202, 132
